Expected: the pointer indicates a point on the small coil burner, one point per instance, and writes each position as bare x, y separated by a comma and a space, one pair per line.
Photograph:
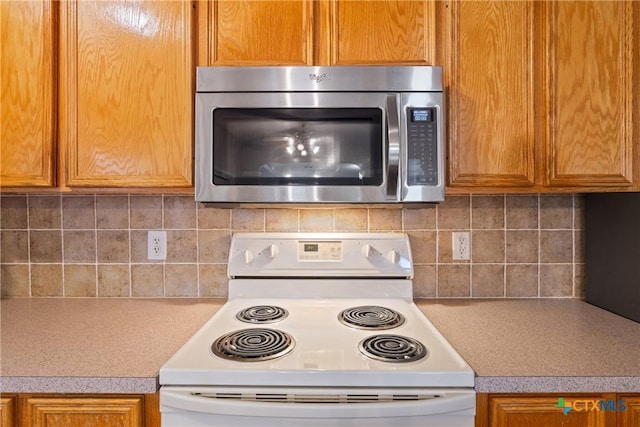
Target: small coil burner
392, 348
371, 317
262, 314
253, 345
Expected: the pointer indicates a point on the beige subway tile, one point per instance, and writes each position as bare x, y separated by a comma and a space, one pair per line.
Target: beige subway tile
487, 280
385, 219
522, 212
181, 280
578, 211
454, 213
281, 219
182, 246
145, 212
579, 290
247, 219
78, 212
45, 212
424, 281
556, 280
213, 280
356, 219
423, 246
454, 280
522, 280
487, 212
179, 212
316, 220
114, 280
14, 246
556, 212
46, 280
79, 246
79, 280
45, 246
213, 245
556, 246
487, 246
210, 218
419, 218
147, 280
522, 246
579, 245
14, 280
13, 212
112, 212
113, 246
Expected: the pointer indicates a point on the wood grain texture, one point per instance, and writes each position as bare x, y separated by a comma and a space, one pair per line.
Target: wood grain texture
257, 32
490, 50
27, 80
591, 90
630, 417
126, 93
82, 411
382, 32
7, 411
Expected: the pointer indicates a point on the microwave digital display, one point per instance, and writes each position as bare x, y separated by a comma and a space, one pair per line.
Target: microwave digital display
422, 115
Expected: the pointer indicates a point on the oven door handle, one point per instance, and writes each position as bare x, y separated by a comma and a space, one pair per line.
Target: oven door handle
393, 148
448, 403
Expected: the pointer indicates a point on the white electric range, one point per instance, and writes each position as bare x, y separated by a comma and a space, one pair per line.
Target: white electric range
319, 330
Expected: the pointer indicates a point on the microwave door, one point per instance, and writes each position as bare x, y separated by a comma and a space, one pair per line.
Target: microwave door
392, 148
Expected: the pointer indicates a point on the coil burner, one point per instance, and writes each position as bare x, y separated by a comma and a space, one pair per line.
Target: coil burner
392, 348
253, 345
371, 317
262, 314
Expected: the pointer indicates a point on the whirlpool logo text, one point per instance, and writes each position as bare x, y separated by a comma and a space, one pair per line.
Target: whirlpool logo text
583, 405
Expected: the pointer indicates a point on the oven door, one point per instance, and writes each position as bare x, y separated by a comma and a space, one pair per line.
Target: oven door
269, 407
302, 147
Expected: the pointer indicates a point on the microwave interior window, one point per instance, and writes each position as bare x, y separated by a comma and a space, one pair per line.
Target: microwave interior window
284, 146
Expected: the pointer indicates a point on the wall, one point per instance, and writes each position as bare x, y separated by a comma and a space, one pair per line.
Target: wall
86, 245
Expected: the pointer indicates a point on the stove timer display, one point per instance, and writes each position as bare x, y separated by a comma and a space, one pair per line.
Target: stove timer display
320, 251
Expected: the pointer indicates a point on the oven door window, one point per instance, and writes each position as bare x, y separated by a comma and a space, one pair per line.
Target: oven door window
298, 146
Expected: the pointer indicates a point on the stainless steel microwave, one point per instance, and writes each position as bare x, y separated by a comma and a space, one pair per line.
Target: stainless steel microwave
307, 135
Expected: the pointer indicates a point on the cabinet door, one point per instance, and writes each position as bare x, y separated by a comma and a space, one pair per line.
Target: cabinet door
126, 93
7, 412
377, 32
490, 52
590, 85
81, 411
27, 81
536, 411
257, 32
630, 417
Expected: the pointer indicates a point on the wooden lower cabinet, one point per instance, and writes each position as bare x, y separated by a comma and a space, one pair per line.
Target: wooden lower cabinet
80, 410
558, 410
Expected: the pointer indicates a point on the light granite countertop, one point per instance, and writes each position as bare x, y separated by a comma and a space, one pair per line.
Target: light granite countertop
112, 345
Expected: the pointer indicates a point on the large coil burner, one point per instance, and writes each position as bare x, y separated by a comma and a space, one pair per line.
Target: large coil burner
371, 317
392, 348
253, 345
262, 314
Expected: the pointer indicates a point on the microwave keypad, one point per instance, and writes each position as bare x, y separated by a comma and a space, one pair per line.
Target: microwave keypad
422, 143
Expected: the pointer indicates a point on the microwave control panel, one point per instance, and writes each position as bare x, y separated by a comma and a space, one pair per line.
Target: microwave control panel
422, 146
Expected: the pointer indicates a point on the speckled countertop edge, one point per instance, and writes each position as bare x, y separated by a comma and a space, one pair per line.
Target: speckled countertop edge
79, 385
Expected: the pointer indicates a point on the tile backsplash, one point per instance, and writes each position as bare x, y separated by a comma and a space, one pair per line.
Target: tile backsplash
96, 245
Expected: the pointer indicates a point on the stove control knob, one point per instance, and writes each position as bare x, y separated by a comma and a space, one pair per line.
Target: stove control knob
393, 257
273, 251
367, 251
248, 257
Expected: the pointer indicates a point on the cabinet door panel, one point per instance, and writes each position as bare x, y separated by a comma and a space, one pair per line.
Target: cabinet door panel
256, 32
7, 412
491, 93
381, 32
126, 91
630, 417
590, 86
27, 79
76, 411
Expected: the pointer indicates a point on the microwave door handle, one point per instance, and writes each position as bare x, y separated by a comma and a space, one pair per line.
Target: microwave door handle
393, 152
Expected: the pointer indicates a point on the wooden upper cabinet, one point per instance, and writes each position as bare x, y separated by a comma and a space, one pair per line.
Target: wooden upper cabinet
27, 107
590, 86
489, 73
377, 32
126, 93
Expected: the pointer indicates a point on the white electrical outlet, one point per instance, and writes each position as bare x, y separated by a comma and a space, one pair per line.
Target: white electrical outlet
157, 245
461, 245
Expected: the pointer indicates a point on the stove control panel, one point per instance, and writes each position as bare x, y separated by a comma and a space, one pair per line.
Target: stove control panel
320, 255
